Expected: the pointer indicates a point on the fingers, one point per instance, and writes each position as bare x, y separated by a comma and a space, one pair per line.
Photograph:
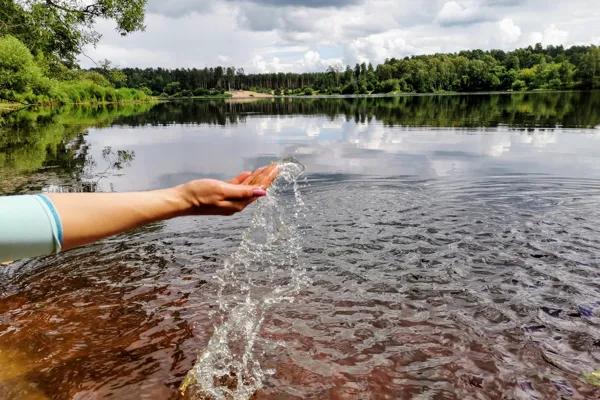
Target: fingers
241, 178
241, 192
231, 207
252, 176
265, 177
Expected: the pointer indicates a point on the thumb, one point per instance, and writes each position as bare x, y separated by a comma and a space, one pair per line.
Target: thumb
241, 192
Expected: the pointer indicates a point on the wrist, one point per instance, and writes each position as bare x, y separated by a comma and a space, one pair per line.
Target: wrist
176, 203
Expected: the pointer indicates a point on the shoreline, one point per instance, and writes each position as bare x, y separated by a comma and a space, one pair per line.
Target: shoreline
10, 107
401, 94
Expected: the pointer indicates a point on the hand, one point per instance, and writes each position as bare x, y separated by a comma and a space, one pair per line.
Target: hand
262, 177
212, 197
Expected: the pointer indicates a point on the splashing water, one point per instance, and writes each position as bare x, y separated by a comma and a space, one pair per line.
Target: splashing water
265, 270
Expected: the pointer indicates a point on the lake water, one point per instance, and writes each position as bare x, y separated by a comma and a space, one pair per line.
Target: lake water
436, 247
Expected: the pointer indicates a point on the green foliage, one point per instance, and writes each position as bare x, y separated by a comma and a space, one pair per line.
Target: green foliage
361, 87
388, 86
350, 88
519, 85
201, 92
589, 71
146, 90
552, 67
308, 91
22, 80
61, 28
117, 78
18, 70
172, 88
96, 78
260, 90
184, 93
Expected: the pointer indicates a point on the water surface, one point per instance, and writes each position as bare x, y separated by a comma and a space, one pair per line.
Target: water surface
444, 247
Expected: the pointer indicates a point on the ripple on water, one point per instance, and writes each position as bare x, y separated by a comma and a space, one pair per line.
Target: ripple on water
441, 289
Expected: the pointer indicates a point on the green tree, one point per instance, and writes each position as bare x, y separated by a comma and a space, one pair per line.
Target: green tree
60, 28
117, 78
363, 69
18, 70
172, 88
589, 70
519, 85
348, 75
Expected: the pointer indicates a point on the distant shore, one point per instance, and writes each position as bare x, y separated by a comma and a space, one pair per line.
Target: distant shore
245, 94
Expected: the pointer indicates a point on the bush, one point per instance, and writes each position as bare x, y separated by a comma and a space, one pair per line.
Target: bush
146, 90
18, 70
288, 92
555, 83
308, 91
201, 92
277, 92
389, 86
350, 88
519, 85
172, 88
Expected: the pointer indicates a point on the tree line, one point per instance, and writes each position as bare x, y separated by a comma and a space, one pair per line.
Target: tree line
531, 68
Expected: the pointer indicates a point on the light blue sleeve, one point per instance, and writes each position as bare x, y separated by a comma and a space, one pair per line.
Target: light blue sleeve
29, 226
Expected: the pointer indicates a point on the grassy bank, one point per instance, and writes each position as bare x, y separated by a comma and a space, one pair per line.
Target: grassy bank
27, 80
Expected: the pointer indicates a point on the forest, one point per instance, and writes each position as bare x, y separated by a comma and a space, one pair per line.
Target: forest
531, 68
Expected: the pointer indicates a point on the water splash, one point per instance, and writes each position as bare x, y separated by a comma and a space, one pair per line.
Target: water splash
265, 270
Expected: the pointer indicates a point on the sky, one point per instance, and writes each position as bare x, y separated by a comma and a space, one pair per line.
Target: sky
310, 35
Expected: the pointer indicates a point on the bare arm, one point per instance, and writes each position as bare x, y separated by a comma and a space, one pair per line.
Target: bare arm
88, 217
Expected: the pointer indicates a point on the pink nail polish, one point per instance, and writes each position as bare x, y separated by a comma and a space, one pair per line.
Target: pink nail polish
259, 193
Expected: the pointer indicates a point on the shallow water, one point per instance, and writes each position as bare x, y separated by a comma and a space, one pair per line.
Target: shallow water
443, 247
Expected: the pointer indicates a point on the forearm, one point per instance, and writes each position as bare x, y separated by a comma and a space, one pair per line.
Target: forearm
88, 217
43, 224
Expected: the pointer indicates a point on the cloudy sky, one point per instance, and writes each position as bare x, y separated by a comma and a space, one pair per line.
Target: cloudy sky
309, 35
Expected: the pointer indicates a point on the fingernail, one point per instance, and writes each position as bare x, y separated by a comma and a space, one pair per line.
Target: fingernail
259, 193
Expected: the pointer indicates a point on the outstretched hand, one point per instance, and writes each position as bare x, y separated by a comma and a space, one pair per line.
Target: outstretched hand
212, 197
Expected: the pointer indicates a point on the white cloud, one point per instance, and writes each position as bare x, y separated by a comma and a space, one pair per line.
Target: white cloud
312, 61
455, 13
376, 48
536, 37
510, 32
263, 35
262, 65
552, 35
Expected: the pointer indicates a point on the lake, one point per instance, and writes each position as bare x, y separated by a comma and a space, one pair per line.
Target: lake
435, 247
